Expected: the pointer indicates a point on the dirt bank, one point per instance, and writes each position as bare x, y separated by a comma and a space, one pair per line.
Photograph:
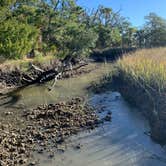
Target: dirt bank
42, 129
151, 103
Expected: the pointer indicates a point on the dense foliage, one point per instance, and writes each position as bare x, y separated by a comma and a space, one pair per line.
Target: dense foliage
16, 39
153, 34
62, 28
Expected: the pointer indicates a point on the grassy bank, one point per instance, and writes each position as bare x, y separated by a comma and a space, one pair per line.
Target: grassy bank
142, 80
146, 67
23, 64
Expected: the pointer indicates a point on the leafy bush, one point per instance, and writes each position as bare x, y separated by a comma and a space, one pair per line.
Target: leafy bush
79, 40
16, 39
108, 37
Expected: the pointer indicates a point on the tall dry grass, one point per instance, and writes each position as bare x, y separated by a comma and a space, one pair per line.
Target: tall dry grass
23, 64
146, 66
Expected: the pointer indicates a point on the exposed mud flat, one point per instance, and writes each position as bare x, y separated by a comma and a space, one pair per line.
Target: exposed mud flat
122, 142
151, 103
45, 127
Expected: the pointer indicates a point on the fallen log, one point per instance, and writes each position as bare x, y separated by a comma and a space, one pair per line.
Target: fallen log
41, 77
45, 76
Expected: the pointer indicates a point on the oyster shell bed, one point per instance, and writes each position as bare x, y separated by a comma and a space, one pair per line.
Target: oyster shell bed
47, 127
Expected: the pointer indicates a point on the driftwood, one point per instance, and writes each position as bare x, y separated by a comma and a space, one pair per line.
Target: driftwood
48, 75
41, 77
37, 68
77, 67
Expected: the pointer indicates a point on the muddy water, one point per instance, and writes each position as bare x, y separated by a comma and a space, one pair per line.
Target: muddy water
122, 142
64, 89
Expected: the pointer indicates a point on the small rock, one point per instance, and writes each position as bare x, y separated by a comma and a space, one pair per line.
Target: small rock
61, 149
22, 150
77, 147
22, 161
51, 155
107, 118
40, 151
32, 164
2, 163
8, 113
109, 113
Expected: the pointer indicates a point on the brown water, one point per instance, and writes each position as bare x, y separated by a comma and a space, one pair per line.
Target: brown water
122, 142
64, 89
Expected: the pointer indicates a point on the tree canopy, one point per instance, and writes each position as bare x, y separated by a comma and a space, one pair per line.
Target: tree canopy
153, 34
62, 28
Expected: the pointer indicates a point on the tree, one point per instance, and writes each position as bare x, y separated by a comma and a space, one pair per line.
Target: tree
5, 9
128, 37
155, 31
59, 26
68, 32
140, 38
106, 23
16, 39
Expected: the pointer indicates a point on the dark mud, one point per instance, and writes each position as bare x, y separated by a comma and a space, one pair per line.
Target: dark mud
44, 128
151, 103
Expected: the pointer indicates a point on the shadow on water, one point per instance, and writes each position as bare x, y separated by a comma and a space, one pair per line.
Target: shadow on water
11, 98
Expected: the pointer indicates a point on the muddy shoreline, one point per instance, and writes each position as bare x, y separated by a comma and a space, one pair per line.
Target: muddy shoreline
151, 104
43, 129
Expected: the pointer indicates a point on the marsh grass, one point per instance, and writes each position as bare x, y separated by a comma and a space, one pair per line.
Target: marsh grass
146, 67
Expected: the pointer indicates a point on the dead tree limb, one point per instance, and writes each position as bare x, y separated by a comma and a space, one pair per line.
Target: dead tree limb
78, 67
42, 76
36, 68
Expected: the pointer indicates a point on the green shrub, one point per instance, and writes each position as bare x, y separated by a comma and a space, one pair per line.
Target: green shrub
16, 39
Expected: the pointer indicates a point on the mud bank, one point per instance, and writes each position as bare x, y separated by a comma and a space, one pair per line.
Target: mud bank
151, 103
43, 128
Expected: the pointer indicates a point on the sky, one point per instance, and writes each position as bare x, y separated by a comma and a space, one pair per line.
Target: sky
135, 10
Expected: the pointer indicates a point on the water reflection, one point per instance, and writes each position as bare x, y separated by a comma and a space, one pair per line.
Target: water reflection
9, 99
